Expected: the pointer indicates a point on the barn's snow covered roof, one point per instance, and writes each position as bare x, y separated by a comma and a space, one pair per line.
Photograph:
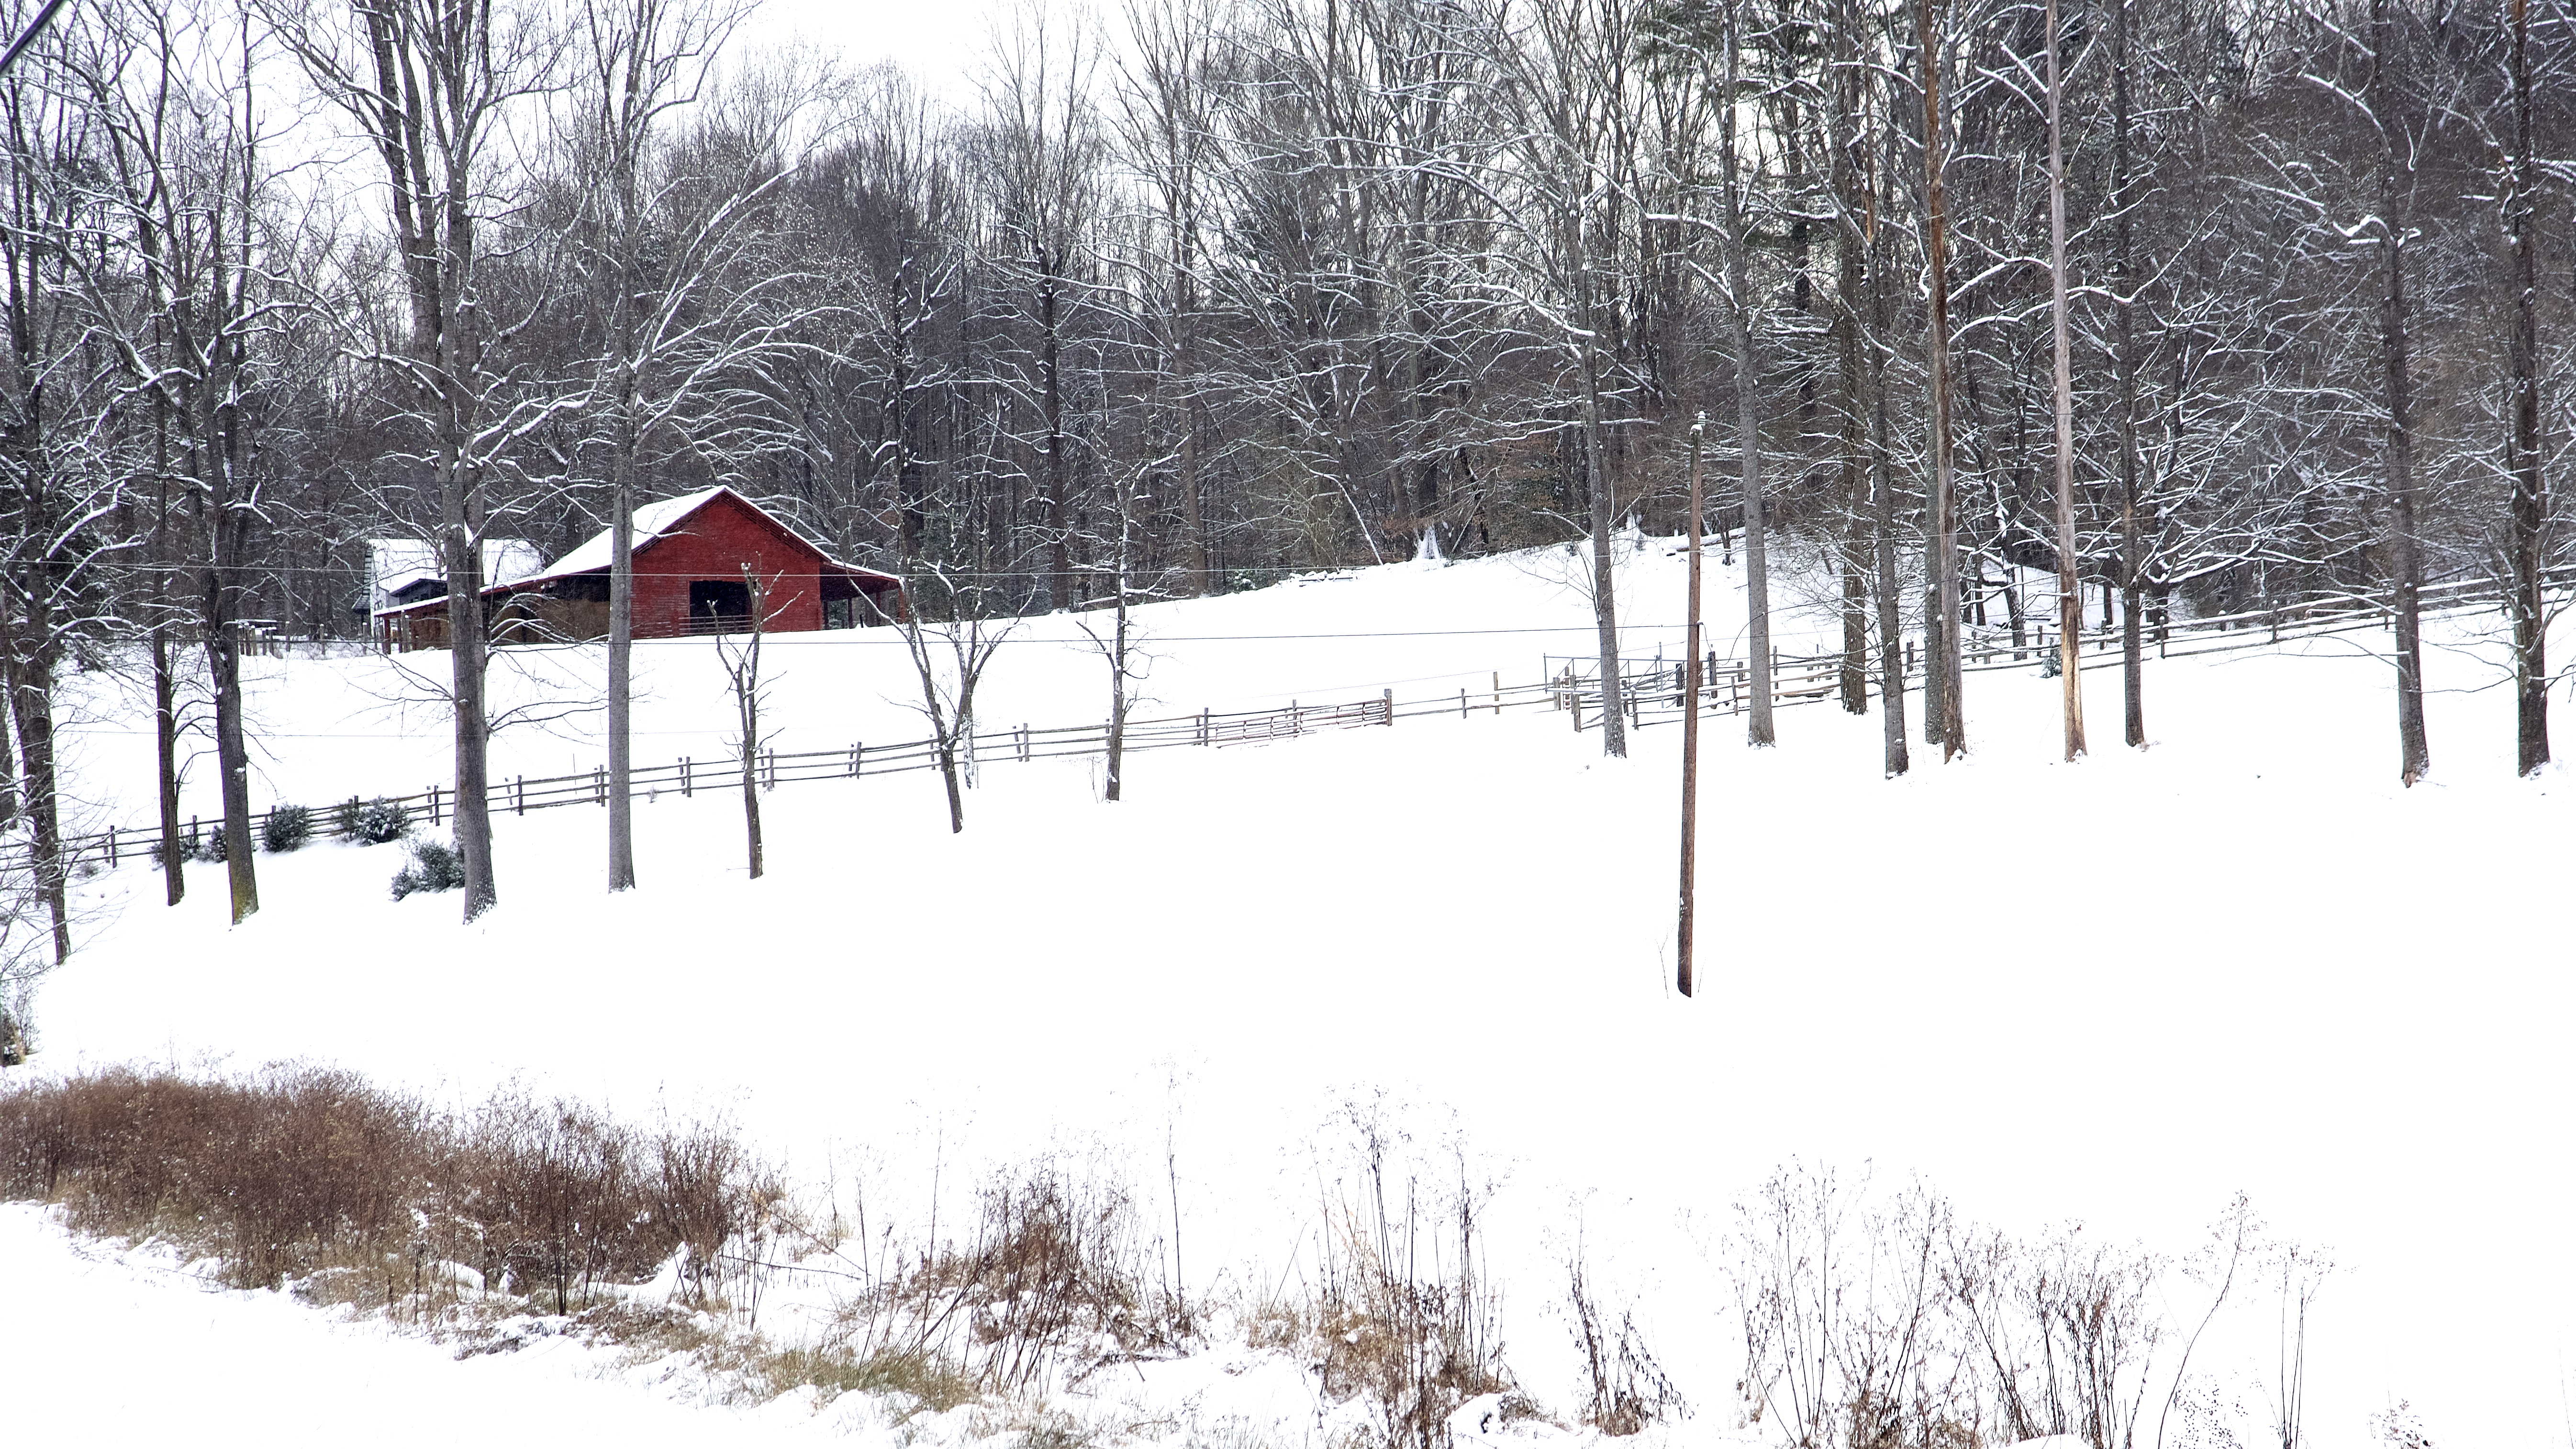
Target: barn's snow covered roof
652, 520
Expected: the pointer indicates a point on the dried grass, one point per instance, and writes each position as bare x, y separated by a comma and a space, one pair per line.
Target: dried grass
367, 1196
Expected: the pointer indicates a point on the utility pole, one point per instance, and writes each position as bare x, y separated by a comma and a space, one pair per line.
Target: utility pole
1690, 724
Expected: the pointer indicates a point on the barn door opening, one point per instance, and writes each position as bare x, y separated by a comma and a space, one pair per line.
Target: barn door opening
719, 606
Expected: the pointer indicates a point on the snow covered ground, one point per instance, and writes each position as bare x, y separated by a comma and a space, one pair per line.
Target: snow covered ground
2117, 992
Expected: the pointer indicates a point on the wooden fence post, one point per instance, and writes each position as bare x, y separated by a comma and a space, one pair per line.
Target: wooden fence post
1498, 694
685, 782
599, 786
1388, 699
433, 804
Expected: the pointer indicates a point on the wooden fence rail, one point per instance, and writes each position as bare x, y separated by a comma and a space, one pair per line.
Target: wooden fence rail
1653, 693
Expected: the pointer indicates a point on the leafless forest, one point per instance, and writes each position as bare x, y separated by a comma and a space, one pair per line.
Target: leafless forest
1188, 294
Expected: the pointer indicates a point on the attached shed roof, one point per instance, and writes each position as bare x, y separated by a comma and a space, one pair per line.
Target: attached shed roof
395, 564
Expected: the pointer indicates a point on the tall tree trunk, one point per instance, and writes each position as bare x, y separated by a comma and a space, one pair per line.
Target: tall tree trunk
621, 650
1851, 379
165, 681
2070, 592
1891, 629
1193, 509
468, 658
2529, 540
1605, 603
1059, 522
1116, 737
1851, 390
1942, 668
2415, 753
27, 641
2125, 282
745, 673
9, 795
165, 741
623, 444
232, 761
1748, 407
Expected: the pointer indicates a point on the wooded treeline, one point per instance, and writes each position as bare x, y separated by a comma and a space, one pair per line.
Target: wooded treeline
1190, 293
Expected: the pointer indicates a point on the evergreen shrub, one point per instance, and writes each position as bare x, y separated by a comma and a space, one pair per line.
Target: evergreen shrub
434, 866
288, 828
378, 822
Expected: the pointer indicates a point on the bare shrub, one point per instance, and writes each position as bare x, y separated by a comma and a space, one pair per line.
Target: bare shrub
299, 1172
1886, 1324
2064, 1328
1403, 1315
1842, 1307
2401, 1427
1060, 1274
1629, 1390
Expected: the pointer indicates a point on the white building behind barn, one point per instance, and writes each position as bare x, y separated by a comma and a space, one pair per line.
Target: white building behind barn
407, 570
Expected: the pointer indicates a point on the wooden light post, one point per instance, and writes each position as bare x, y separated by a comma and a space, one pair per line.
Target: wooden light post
1690, 725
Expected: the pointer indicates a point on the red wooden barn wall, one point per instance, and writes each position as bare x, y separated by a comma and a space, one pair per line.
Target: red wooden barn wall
714, 543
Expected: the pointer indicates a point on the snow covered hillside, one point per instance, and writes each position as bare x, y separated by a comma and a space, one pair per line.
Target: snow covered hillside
2115, 993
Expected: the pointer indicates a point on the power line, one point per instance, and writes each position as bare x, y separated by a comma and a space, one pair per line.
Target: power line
28, 36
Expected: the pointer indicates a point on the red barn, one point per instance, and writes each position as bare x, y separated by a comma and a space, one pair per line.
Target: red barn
690, 554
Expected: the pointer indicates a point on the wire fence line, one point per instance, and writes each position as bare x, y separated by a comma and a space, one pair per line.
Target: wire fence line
1652, 692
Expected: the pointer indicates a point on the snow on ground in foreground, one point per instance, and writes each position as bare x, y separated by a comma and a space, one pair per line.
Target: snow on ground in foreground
108, 1348
2279, 972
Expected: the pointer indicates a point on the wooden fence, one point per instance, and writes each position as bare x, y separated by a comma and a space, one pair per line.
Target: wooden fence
1653, 694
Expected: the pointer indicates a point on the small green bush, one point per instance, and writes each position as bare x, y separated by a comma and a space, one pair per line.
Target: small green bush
288, 827
434, 866
210, 846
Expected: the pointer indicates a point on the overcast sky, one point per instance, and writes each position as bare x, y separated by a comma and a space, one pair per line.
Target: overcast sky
942, 42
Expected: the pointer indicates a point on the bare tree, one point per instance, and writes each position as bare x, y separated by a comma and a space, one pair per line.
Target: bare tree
2528, 545
1945, 722
741, 659
58, 485
1042, 152
683, 274
2070, 591
190, 290
433, 86
1167, 110
1118, 646
949, 658
1570, 86
1748, 385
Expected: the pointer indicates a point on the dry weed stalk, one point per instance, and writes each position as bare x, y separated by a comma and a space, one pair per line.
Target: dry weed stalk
1403, 1315
1628, 1389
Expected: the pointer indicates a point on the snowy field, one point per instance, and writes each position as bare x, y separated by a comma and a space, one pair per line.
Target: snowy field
2115, 993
